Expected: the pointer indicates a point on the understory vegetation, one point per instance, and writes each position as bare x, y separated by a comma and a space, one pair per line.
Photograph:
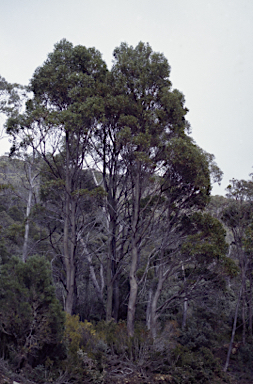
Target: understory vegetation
116, 263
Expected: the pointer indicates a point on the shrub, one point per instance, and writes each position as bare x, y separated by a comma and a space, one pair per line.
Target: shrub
31, 319
84, 351
195, 367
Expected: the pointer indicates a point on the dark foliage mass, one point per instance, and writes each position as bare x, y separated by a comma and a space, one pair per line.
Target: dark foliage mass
116, 264
31, 318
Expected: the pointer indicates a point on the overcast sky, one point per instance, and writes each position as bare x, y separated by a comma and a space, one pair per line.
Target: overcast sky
209, 45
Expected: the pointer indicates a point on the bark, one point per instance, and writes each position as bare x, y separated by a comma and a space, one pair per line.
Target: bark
111, 262
156, 296
98, 288
133, 289
134, 257
185, 308
67, 247
185, 305
31, 180
27, 224
109, 290
148, 310
233, 330
110, 180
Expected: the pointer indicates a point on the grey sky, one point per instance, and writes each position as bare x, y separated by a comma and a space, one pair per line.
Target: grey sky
209, 45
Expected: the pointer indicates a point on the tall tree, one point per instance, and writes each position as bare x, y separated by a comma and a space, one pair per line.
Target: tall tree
237, 216
184, 187
152, 120
58, 123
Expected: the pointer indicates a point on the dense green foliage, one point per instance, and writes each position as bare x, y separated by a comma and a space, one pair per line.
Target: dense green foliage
31, 319
106, 214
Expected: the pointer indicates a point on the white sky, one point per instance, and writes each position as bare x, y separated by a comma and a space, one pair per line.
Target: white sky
209, 45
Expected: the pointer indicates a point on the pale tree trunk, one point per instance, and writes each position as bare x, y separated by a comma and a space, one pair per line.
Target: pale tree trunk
133, 289
155, 298
148, 310
185, 304
98, 288
233, 330
185, 309
31, 181
111, 261
27, 224
67, 247
134, 257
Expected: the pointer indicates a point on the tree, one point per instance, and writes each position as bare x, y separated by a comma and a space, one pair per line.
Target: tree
150, 124
177, 221
237, 216
50, 211
132, 123
58, 123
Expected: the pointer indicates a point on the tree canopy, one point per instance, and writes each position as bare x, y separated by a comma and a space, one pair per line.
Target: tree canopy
115, 194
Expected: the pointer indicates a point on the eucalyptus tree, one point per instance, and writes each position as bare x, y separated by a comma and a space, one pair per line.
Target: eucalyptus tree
237, 215
151, 129
58, 122
107, 156
178, 226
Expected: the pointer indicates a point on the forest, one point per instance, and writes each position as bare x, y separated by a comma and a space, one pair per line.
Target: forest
117, 265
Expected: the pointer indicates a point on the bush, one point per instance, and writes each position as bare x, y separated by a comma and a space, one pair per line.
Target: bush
195, 367
31, 319
85, 351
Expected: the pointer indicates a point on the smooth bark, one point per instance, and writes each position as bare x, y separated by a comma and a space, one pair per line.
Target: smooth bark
68, 248
134, 255
27, 223
233, 330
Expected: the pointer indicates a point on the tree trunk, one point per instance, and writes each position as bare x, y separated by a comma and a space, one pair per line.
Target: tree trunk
98, 289
134, 256
109, 290
155, 298
27, 224
250, 305
67, 247
148, 310
185, 305
111, 262
233, 330
115, 307
31, 181
185, 308
111, 223
133, 289
243, 308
